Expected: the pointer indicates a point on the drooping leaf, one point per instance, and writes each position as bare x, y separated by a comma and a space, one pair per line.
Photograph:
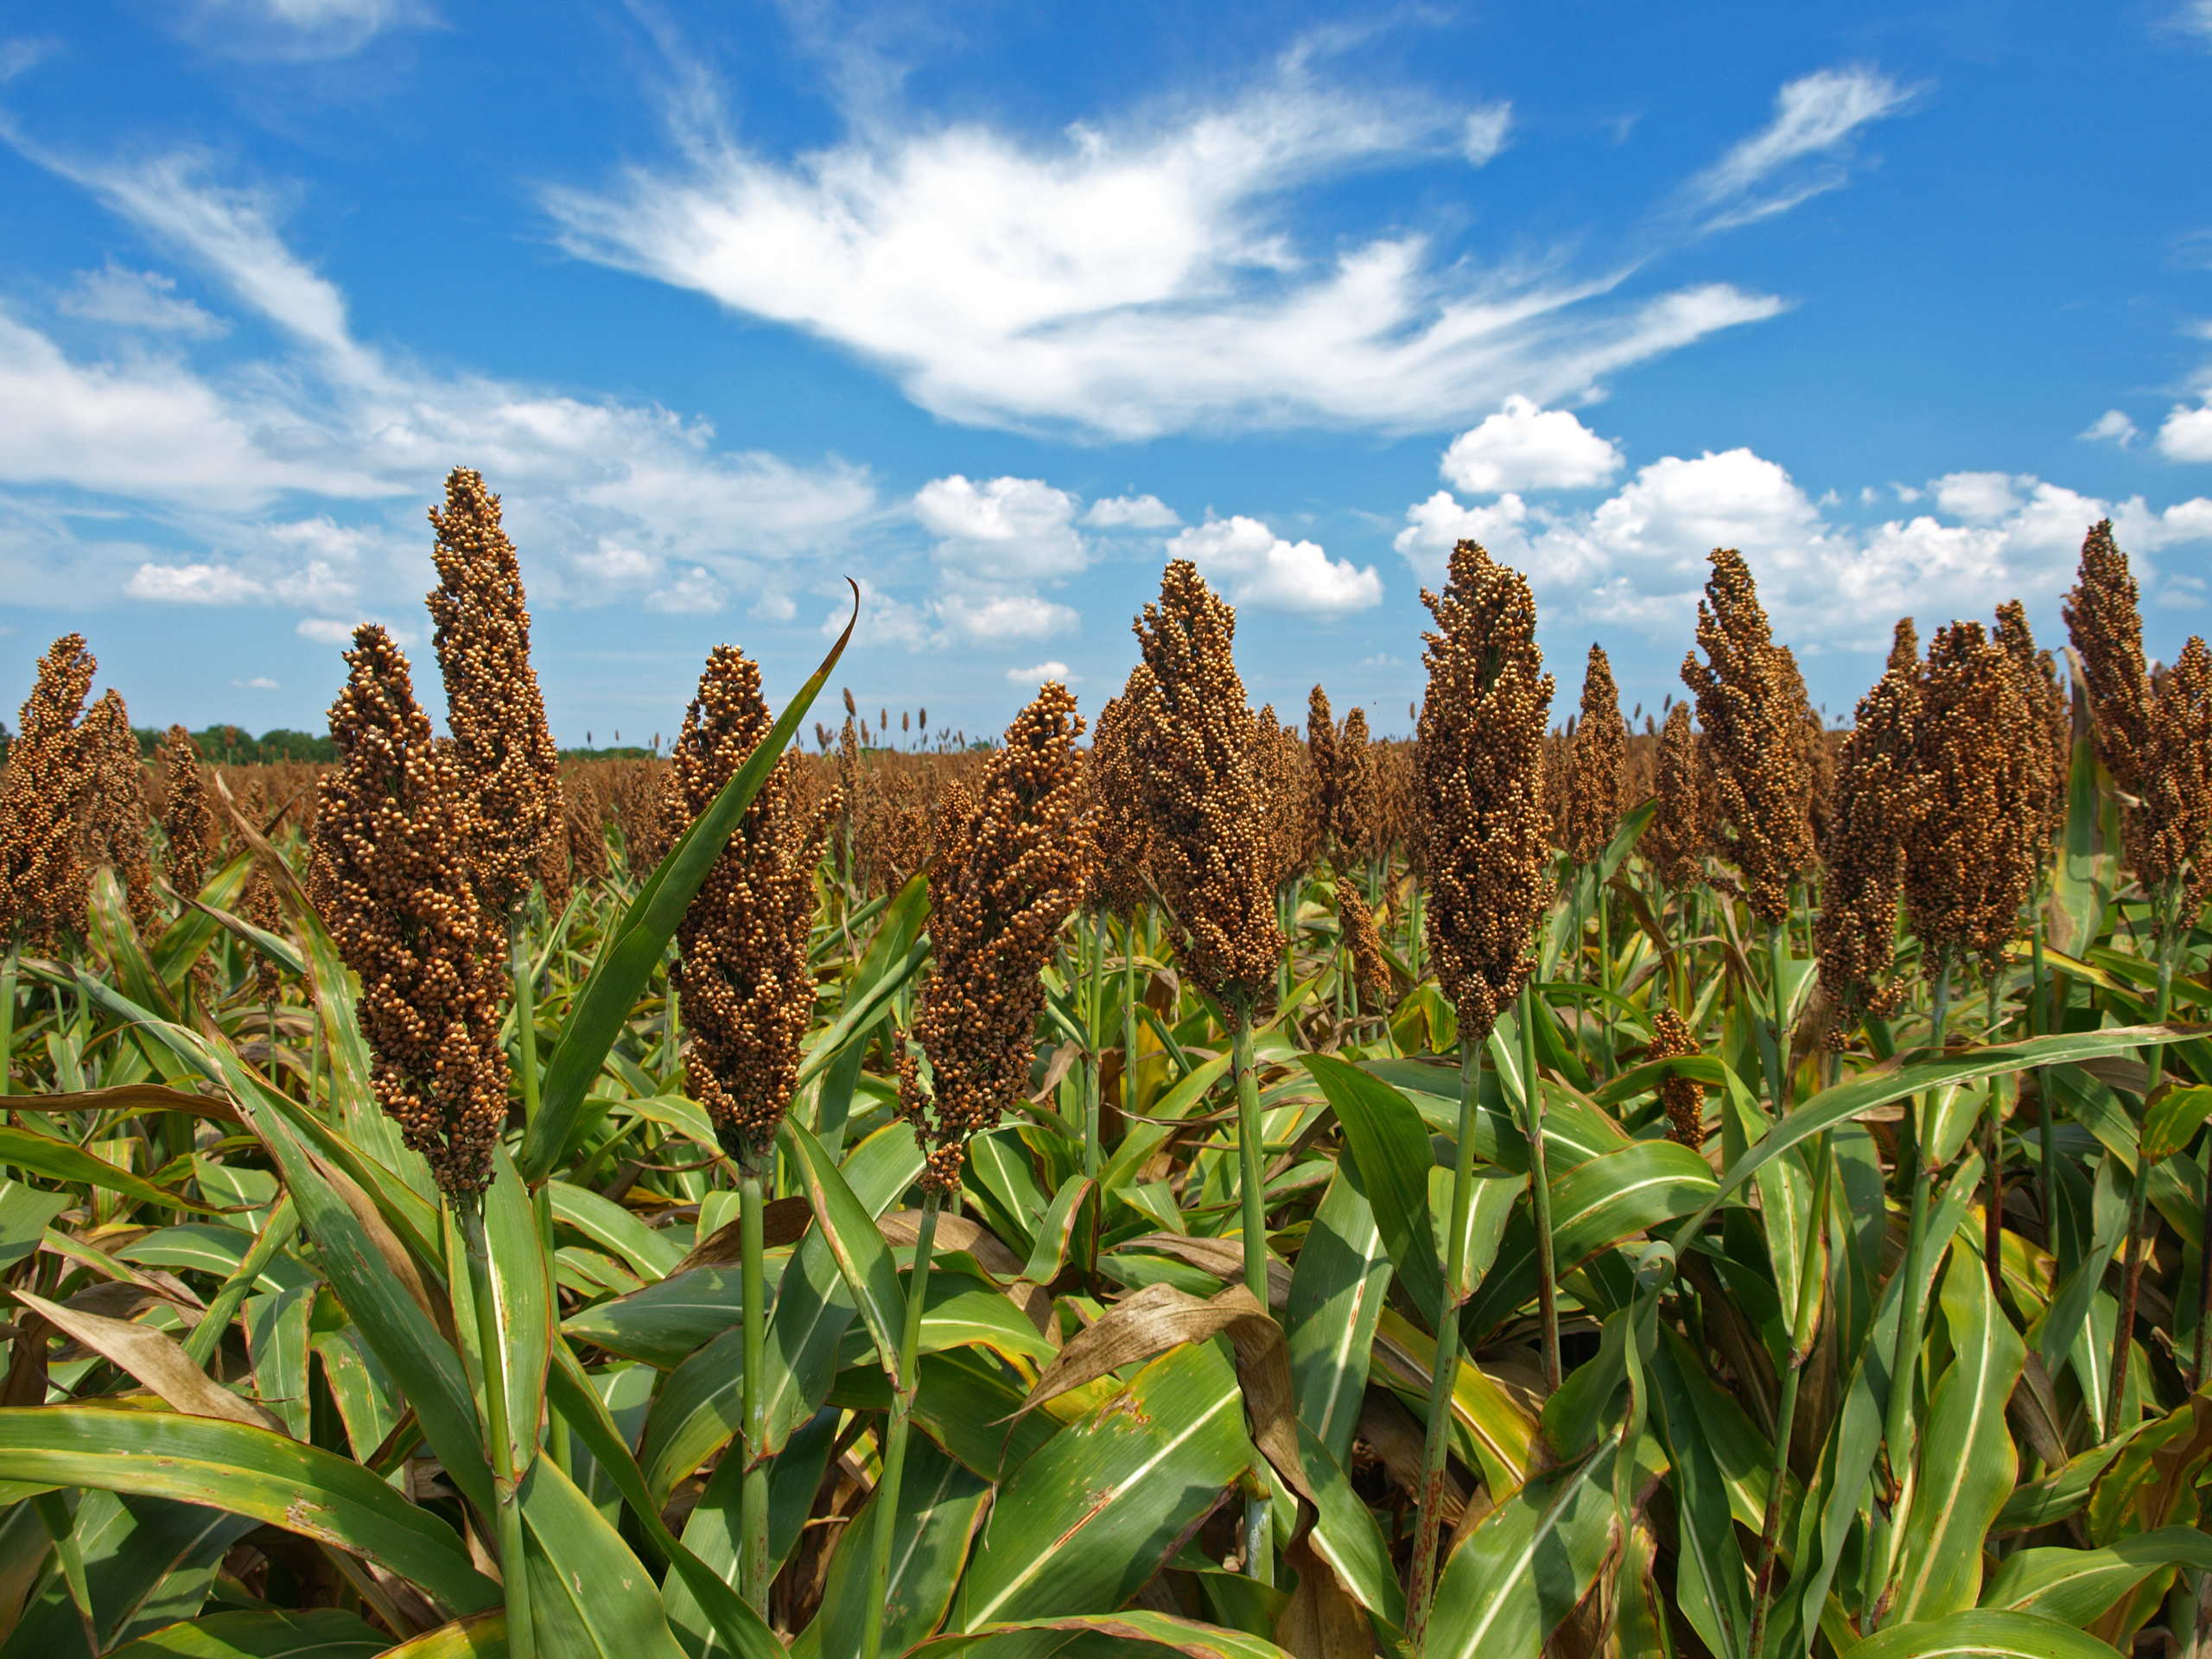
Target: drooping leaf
1982, 1632
1336, 1296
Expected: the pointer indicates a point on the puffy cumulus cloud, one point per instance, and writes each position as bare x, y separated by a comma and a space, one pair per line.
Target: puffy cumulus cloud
1131, 512
1004, 617
191, 584
1137, 280
349, 441
2186, 433
1524, 447
1804, 150
1007, 530
1028, 678
2111, 427
1260, 567
694, 593
1637, 559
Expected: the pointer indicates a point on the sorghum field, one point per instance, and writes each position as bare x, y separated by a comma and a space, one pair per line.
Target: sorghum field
1197, 1182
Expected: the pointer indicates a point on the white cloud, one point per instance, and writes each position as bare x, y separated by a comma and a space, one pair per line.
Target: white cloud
696, 593
191, 584
1135, 282
1006, 616
326, 631
1483, 134
137, 299
296, 30
2186, 433
1132, 512
1038, 675
2112, 425
603, 497
1815, 118
1637, 559
1979, 498
1260, 567
1524, 447
1007, 530
258, 682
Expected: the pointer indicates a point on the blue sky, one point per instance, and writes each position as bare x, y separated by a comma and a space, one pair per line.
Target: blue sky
994, 307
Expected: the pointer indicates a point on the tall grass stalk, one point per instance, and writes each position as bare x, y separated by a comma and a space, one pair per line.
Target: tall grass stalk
1445, 1371
886, 1501
514, 1570
752, 1290
1252, 1190
1540, 1191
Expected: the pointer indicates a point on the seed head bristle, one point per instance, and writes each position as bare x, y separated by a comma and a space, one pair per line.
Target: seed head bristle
1683, 1097
117, 825
1751, 701
187, 819
584, 808
1321, 752
509, 765
1862, 850
1293, 811
1358, 825
2047, 735
1197, 746
2169, 835
43, 876
1600, 757
391, 877
1370, 968
1121, 832
1971, 848
1905, 646
1014, 856
1479, 765
1674, 840
2106, 628
745, 986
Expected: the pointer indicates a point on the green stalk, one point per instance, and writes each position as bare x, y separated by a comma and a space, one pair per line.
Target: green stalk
886, 1501
1252, 1190
1905, 1357
525, 1014
8, 1014
1811, 1282
1778, 952
1094, 1064
1540, 1191
1993, 1147
514, 1570
2167, 905
1129, 1013
753, 1491
1445, 1371
1604, 983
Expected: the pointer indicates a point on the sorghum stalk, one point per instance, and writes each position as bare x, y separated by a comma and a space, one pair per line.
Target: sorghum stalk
1539, 1192
1445, 1371
8, 1011
1906, 1357
525, 1014
752, 1289
514, 1570
885, 1503
1811, 1286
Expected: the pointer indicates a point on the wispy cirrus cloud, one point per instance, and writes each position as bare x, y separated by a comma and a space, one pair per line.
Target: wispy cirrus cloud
1805, 150
1137, 278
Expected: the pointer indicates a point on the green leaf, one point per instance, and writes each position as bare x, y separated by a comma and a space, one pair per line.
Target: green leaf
2076, 1586
651, 1255
634, 949
2088, 867
421, 1361
1133, 1625
24, 1212
847, 1226
1594, 1204
1390, 1161
1091, 1515
249, 1472
667, 1320
42, 1154
968, 1403
812, 1305
1489, 1206
274, 1633
521, 1295
1526, 1563
1886, 1084
146, 1562
1336, 1296
1712, 1584
2173, 1121
1966, 1459
588, 1595
1981, 1632
939, 1505
1346, 1535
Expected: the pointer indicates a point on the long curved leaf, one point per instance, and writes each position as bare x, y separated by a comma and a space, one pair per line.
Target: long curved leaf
274, 1633
1390, 1161
634, 949
248, 1471
2076, 1586
1982, 1632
